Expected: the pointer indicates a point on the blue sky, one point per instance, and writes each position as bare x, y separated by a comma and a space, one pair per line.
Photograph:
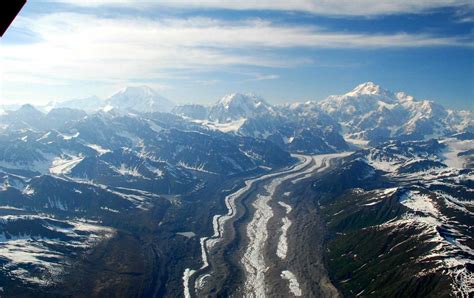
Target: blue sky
198, 51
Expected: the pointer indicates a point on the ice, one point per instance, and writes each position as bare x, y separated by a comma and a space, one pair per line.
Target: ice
282, 247
286, 206
321, 163
293, 283
219, 221
186, 275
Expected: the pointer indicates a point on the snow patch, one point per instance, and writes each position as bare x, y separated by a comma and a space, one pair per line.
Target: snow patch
98, 148
63, 166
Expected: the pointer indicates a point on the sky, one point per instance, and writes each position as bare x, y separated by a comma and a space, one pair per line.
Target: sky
198, 51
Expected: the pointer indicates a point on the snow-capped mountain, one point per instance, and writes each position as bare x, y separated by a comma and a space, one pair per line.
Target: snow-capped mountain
297, 127
83, 171
230, 108
89, 104
141, 99
69, 179
372, 113
236, 106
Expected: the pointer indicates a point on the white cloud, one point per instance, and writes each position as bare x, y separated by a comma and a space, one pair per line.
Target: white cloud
81, 47
322, 7
261, 76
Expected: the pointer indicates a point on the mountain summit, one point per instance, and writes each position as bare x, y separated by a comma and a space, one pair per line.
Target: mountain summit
373, 113
140, 99
369, 88
237, 106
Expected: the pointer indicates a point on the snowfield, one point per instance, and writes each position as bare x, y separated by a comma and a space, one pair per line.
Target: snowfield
47, 255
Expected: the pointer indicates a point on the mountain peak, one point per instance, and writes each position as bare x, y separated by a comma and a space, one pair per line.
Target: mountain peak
27, 107
238, 99
138, 90
368, 88
28, 110
140, 99
237, 106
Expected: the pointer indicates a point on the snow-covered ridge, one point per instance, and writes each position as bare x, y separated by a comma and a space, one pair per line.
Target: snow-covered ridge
370, 112
237, 106
47, 255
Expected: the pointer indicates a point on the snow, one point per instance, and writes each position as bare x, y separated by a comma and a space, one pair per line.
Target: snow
98, 148
63, 166
320, 163
187, 234
257, 233
282, 247
451, 158
129, 171
285, 205
186, 275
197, 168
41, 165
293, 283
107, 108
154, 126
419, 202
199, 284
138, 98
109, 209
288, 140
44, 136
70, 137
456, 203
232, 126
21, 250
356, 141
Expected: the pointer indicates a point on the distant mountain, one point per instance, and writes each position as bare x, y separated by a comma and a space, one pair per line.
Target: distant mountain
236, 106
89, 104
125, 169
193, 111
25, 115
141, 99
372, 113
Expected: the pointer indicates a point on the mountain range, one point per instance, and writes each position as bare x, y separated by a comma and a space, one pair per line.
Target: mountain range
83, 181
